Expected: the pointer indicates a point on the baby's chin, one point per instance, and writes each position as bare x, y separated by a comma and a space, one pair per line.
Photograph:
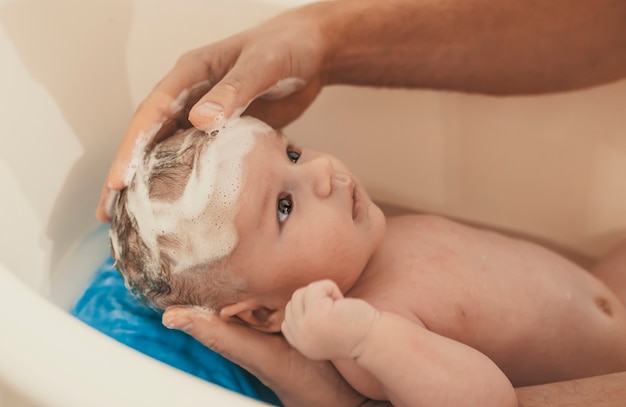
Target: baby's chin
377, 222
389, 209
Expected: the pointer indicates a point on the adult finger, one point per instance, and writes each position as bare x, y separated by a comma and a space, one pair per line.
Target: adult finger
164, 105
170, 99
254, 73
151, 121
103, 211
164, 111
297, 301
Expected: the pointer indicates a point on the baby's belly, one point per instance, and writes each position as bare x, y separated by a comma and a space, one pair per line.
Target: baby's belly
537, 325
558, 340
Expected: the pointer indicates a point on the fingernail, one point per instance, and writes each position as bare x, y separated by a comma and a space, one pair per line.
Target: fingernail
210, 110
181, 323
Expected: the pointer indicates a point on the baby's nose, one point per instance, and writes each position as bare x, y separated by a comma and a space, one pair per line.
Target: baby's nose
321, 171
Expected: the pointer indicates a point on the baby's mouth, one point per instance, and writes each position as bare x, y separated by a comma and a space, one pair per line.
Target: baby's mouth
355, 201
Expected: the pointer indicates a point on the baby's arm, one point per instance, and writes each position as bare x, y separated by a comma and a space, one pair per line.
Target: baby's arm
413, 365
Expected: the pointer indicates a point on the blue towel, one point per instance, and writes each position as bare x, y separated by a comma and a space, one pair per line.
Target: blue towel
108, 306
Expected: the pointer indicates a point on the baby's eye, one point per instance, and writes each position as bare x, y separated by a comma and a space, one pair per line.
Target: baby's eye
293, 154
285, 205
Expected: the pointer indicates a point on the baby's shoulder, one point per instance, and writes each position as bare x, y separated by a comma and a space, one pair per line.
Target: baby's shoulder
424, 225
411, 241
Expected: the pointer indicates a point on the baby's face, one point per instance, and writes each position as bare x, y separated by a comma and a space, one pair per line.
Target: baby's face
278, 216
302, 216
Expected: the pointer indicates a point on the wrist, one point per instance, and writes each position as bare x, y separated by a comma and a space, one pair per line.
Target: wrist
315, 17
381, 344
339, 22
371, 42
369, 342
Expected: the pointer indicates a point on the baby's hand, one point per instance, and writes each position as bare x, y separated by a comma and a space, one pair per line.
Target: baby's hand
324, 325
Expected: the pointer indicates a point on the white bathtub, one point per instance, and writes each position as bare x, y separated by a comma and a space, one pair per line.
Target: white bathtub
72, 73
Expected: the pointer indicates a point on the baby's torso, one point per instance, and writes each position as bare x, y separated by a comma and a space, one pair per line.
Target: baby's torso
540, 317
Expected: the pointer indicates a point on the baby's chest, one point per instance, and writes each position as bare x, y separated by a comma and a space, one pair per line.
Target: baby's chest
480, 288
490, 305
453, 306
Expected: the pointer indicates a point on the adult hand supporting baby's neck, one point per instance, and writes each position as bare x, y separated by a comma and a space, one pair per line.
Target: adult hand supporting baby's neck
296, 380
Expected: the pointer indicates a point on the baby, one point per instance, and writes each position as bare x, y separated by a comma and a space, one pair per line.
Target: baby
417, 309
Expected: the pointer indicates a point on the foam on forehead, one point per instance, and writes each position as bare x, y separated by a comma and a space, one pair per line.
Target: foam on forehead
201, 220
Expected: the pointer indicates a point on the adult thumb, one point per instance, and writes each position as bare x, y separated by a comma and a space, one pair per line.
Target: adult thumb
234, 92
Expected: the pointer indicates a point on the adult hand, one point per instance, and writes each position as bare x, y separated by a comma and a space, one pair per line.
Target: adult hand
271, 72
296, 380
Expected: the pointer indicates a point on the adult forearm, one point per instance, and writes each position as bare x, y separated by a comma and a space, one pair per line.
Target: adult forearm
501, 47
599, 391
606, 391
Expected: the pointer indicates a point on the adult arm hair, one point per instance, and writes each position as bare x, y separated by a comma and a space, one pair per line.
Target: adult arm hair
494, 47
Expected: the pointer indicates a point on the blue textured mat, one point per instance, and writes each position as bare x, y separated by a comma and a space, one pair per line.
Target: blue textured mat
108, 306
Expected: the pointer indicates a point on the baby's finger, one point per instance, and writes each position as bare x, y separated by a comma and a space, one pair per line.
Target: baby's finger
286, 328
297, 299
289, 312
293, 317
321, 290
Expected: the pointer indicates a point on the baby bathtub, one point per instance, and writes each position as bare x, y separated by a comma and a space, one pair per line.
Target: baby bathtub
551, 167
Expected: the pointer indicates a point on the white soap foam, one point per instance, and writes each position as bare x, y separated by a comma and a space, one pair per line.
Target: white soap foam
202, 219
143, 140
280, 89
179, 103
284, 87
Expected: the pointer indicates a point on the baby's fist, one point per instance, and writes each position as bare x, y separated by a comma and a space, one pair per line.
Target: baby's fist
324, 325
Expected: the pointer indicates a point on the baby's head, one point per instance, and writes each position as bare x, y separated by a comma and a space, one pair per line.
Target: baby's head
172, 228
237, 220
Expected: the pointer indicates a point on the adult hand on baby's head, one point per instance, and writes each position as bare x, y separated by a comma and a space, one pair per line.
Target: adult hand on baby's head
147, 127
296, 380
324, 325
272, 69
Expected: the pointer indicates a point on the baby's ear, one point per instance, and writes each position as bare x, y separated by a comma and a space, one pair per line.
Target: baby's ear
254, 315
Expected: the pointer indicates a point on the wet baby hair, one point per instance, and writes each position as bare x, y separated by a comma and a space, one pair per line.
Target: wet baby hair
154, 257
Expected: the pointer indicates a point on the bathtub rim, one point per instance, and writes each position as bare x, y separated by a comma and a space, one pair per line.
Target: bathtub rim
41, 328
